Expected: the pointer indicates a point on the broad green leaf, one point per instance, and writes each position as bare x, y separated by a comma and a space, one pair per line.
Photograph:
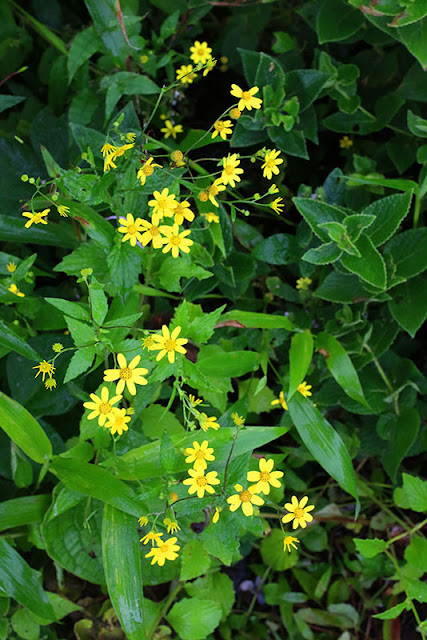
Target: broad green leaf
172, 271
24, 625
408, 305
337, 20
280, 248
128, 83
98, 300
340, 365
370, 266
414, 38
11, 341
392, 613
196, 325
107, 26
406, 255
68, 308
87, 255
402, 436
230, 364
342, 287
252, 320
83, 334
156, 420
413, 494
95, 225
169, 25
325, 254
194, 618
167, 452
61, 607
323, 442
290, 142
24, 430
83, 46
306, 85
126, 321
389, 213
6, 102
12, 229
122, 566
215, 586
195, 560
273, 554
417, 125
300, 355
20, 582
124, 264
315, 213
22, 511
96, 482
369, 548
80, 362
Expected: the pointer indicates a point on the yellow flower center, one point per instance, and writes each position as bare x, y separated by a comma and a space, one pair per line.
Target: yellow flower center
164, 548
105, 408
180, 210
299, 513
44, 368
126, 373
161, 203
200, 455
271, 163
201, 51
228, 169
245, 496
119, 152
175, 240
246, 95
201, 481
147, 170
213, 190
264, 476
119, 420
170, 345
132, 229
154, 231
219, 126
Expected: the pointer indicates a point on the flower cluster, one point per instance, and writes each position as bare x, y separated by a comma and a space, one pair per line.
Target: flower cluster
300, 514
263, 479
304, 390
111, 152
200, 482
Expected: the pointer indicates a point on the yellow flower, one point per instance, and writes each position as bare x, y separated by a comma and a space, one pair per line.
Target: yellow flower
210, 64
127, 375
235, 113
45, 368
148, 343
143, 521
101, 406
172, 526
168, 343
246, 98
119, 151
176, 241
245, 498
304, 283
231, 170
109, 162
346, 142
152, 537
238, 420
131, 228
299, 513
117, 421
194, 401
107, 149
182, 211
280, 400
203, 196
273, 189
277, 205
146, 170
173, 497
185, 74
200, 483
57, 347
171, 130
222, 128
211, 217
199, 454
50, 384
177, 157
265, 476
130, 411
130, 137
166, 550
213, 191
63, 210
215, 516
14, 289
304, 389
207, 423
11, 267
152, 232
289, 542
144, 59
35, 218
200, 52
271, 162
163, 203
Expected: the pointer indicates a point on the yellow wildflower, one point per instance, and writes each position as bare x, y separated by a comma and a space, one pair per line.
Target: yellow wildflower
127, 375
57, 347
109, 162
200, 52
148, 343
172, 526
199, 454
14, 289
35, 218
231, 170
238, 420
289, 542
152, 232
206, 422
210, 64
299, 513
50, 384
130, 411
271, 162
107, 149
245, 498
200, 483
215, 516
45, 368
194, 401
222, 128
173, 497
346, 142
185, 73
119, 151
152, 537
203, 196
304, 389
146, 170
303, 283
168, 343
101, 406
265, 476
176, 241
130, 137
177, 157
273, 189
11, 267
163, 203
211, 217
166, 550
277, 205
171, 130
216, 187
280, 400
143, 521
117, 421
182, 211
235, 113
63, 210
246, 98
131, 228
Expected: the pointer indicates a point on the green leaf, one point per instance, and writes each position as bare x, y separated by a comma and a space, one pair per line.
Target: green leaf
215, 586
306, 85
337, 20
194, 618
82, 333
124, 264
24, 625
417, 125
128, 83
61, 607
370, 266
122, 566
88, 255
325, 254
323, 442
106, 24
24, 430
280, 248
290, 142
401, 437
13, 342
22, 511
407, 306
413, 494
315, 213
252, 320
20, 582
195, 560
68, 308
392, 613
83, 46
414, 38
230, 364
98, 299
97, 228
406, 255
80, 362
273, 554
195, 324
6, 102
300, 355
169, 25
172, 271
167, 452
389, 213
156, 420
341, 367
342, 287
370, 548
12, 229
96, 482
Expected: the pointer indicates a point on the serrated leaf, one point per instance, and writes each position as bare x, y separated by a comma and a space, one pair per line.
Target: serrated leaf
413, 494
316, 212
406, 255
408, 306
370, 267
369, 548
80, 362
189, 626
68, 308
389, 213
325, 254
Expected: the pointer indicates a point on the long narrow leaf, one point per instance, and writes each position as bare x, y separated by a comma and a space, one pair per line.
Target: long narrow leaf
24, 430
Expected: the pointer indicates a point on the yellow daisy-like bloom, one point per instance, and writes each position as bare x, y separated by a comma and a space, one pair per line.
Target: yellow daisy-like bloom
289, 542
200, 483
168, 343
185, 73
246, 98
152, 537
273, 189
107, 149
146, 170
245, 498
132, 228
177, 157
164, 203
166, 550
346, 142
130, 411
117, 421
231, 170
57, 347
271, 163
238, 420
210, 64
11, 267
148, 343
101, 406
63, 210
265, 476
194, 401
172, 526
215, 516
199, 454
280, 400
211, 217
206, 422
127, 375
222, 128
130, 137
109, 162
171, 130
303, 283
277, 205
215, 188
203, 196
182, 211
200, 52
45, 368
304, 389
35, 218
143, 521
175, 241
235, 113
119, 151
50, 384
152, 232
299, 513
14, 289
